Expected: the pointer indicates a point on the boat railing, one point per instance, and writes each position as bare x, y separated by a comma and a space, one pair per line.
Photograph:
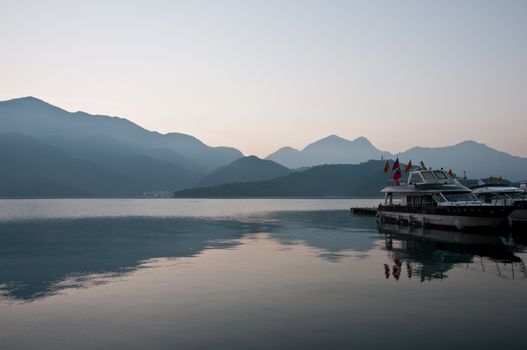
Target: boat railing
397, 182
457, 204
480, 203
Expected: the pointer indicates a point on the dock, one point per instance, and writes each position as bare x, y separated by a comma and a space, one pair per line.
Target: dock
364, 211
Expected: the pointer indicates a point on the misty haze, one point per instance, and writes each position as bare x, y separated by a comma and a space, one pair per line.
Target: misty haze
263, 174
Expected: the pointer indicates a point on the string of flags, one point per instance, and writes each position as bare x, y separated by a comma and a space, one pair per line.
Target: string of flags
396, 168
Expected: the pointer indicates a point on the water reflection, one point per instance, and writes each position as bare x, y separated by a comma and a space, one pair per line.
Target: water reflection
333, 233
281, 280
42, 258
428, 254
39, 258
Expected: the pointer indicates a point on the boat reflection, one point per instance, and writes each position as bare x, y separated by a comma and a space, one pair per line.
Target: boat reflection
428, 254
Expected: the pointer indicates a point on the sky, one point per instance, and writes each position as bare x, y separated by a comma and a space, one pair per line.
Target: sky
259, 75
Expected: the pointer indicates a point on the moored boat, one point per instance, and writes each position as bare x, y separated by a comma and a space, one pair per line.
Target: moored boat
505, 194
434, 198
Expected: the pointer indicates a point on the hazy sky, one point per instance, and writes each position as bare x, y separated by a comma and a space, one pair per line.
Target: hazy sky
258, 75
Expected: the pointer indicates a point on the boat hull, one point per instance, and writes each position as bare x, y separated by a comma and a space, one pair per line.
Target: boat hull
518, 219
453, 217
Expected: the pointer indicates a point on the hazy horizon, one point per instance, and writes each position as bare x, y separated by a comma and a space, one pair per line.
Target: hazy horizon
284, 146
262, 75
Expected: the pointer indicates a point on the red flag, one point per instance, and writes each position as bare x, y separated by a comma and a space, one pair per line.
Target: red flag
387, 167
450, 173
408, 167
397, 175
396, 164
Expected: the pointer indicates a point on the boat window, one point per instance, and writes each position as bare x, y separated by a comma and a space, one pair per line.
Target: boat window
427, 200
517, 195
428, 175
460, 197
438, 197
415, 178
419, 200
440, 174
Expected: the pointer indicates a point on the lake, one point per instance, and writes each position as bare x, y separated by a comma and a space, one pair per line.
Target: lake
250, 274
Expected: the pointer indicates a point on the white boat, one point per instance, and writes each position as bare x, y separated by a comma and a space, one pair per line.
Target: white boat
497, 194
433, 198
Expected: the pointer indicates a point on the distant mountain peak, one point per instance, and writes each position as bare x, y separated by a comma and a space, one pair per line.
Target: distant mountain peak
331, 149
336, 140
287, 148
332, 139
362, 140
246, 160
29, 101
253, 157
250, 168
470, 143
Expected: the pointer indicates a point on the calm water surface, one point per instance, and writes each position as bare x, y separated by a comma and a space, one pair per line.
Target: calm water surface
250, 274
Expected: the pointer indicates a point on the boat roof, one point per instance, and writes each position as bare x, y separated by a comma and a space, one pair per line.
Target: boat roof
424, 189
471, 183
425, 180
496, 189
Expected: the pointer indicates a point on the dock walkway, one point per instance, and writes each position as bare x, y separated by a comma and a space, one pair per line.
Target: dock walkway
364, 211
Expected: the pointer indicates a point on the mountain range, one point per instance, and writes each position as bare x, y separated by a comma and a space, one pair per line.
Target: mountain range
476, 159
329, 150
46, 151
36, 118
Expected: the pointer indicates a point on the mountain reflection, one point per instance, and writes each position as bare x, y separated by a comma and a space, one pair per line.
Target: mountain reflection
332, 233
429, 254
38, 258
41, 258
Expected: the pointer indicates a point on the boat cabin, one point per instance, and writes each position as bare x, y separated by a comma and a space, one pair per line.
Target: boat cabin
429, 177
426, 187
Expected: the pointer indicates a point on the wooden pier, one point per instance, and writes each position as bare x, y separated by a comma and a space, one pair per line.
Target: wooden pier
364, 211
